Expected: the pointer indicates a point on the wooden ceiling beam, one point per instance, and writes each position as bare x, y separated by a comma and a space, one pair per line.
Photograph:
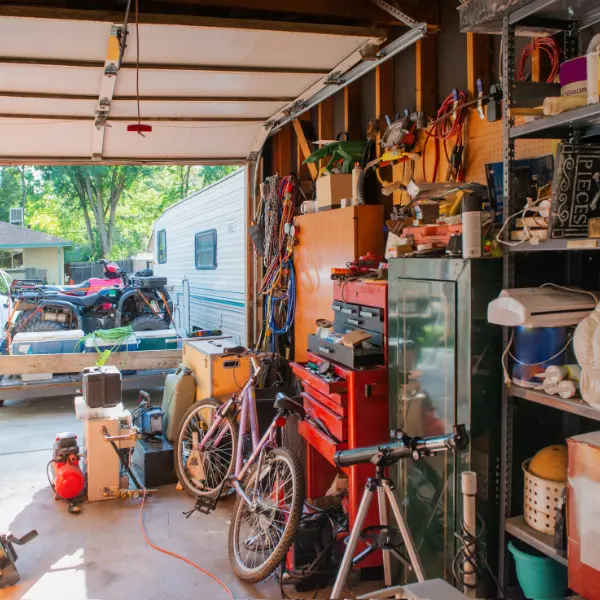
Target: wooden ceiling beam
348, 12
188, 20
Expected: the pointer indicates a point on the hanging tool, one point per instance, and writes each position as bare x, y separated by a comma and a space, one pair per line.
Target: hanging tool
344, 154
480, 99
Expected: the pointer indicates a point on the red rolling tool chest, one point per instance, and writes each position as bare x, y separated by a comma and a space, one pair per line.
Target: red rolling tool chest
353, 406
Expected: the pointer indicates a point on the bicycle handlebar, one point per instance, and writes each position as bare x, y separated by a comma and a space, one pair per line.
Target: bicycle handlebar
403, 448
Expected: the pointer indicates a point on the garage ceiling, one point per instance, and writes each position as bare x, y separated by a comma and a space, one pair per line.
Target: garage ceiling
207, 86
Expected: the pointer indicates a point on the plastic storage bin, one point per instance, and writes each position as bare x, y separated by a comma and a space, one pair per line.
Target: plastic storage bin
130, 344
540, 577
157, 340
47, 342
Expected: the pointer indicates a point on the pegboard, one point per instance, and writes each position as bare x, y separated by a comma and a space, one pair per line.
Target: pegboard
483, 146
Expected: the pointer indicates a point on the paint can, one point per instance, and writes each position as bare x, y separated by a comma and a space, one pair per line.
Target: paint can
535, 349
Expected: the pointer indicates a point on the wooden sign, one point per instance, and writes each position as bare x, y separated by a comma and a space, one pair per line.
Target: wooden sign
575, 190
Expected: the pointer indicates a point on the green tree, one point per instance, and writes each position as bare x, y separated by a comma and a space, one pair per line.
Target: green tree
105, 211
98, 190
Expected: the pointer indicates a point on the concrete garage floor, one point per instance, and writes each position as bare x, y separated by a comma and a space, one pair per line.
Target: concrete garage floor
101, 554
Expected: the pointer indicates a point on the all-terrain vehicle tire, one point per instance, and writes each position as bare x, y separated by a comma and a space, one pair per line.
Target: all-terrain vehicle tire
148, 323
37, 324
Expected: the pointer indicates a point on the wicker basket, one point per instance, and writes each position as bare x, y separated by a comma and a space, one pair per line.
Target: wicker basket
541, 499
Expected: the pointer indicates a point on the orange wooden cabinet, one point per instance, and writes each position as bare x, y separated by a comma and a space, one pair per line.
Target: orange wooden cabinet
329, 239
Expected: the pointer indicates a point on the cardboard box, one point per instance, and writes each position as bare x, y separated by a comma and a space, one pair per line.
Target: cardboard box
331, 189
583, 514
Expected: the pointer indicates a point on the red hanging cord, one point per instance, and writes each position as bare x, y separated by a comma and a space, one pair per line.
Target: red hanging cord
550, 47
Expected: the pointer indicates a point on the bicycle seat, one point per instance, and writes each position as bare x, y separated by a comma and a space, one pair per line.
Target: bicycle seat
282, 402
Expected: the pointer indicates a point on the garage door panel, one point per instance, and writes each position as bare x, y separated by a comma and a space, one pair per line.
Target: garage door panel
180, 140
259, 110
39, 138
73, 80
182, 83
41, 38
37, 106
49, 79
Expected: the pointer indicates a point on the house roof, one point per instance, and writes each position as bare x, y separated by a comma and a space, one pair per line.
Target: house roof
12, 236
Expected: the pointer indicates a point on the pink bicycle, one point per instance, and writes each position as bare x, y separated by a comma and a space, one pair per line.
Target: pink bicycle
269, 484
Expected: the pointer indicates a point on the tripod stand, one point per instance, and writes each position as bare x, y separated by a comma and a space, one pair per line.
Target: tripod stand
384, 537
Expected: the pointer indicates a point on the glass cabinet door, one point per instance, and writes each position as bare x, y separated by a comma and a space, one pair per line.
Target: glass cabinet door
422, 362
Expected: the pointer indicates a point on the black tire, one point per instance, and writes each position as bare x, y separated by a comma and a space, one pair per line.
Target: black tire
148, 323
37, 324
241, 510
182, 442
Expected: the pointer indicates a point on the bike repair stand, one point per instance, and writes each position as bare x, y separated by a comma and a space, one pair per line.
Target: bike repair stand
382, 537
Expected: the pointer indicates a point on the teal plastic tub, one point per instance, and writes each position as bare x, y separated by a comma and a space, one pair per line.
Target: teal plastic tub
540, 577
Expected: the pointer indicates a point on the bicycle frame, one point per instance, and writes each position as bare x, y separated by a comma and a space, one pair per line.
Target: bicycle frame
247, 404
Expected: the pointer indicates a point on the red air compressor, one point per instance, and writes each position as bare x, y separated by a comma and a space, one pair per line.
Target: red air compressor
69, 480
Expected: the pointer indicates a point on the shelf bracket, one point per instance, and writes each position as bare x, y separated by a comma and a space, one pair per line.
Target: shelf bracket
107, 88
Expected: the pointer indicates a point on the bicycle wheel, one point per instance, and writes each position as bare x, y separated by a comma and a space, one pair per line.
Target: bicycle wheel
202, 472
260, 535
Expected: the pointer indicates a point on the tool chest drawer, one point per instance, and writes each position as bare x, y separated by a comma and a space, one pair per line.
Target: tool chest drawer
334, 389
344, 309
338, 403
326, 446
351, 357
337, 426
361, 292
376, 339
367, 318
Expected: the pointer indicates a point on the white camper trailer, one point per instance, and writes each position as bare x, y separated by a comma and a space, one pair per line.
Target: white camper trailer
200, 246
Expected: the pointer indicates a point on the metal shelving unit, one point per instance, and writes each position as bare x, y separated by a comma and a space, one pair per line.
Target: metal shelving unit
575, 406
585, 120
555, 245
540, 541
569, 18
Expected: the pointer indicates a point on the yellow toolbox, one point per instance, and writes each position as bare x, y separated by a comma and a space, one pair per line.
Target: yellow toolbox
217, 374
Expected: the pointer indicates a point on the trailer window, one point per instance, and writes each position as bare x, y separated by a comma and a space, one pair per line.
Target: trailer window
161, 246
206, 249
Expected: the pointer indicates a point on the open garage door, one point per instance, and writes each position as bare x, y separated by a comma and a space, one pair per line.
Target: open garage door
211, 90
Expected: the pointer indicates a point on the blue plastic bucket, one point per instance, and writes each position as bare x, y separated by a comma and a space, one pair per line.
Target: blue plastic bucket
540, 577
532, 345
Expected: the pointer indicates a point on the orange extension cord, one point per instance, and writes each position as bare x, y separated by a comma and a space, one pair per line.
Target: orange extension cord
168, 553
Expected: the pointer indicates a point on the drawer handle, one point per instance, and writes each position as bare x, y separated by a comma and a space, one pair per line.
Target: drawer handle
354, 321
231, 364
347, 311
364, 313
325, 350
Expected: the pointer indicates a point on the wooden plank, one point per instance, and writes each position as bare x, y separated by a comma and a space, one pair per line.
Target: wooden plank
282, 151
304, 151
426, 69
189, 20
251, 257
32, 364
325, 126
384, 96
352, 110
478, 62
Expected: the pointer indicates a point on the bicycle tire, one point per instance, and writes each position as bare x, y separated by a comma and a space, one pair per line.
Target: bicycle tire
261, 572
182, 475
